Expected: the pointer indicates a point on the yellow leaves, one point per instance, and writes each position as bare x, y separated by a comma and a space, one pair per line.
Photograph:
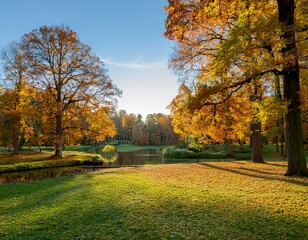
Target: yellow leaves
213, 123
224, 46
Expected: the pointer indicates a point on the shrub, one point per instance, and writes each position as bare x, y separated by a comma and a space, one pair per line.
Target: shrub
195, 147
187, 154
109, 148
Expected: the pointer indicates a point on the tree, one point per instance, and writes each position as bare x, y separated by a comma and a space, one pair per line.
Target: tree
66, 71
224, 123
225, 45
168, 136
15, 99
139, 135
128, 123
291, 90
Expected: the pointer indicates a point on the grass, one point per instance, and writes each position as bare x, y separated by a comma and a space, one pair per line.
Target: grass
132, 147
42, 159
230, 200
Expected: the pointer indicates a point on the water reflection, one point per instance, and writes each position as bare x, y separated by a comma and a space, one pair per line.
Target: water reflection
109, 157
146, 156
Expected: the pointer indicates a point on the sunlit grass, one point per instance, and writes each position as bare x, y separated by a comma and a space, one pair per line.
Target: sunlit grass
132, 147
35, 160
234, 200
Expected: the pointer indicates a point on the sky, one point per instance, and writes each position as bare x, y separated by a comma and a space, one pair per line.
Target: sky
126, 34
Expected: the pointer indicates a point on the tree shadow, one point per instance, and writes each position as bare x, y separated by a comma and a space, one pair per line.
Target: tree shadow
164, 216
257, 174
276, 164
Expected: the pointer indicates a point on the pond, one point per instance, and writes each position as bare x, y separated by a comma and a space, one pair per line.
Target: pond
145, 156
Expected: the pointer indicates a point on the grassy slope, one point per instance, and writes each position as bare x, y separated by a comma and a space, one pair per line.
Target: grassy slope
36, 160
234, 200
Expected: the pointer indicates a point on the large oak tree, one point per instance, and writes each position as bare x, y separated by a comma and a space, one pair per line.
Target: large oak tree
291, 90
67, 73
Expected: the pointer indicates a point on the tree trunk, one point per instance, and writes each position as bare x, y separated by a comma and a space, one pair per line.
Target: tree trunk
230, 145
294, 138
39, 146
59, 118
282, 146
58, 146
16, 139
280, 120
277, 144
256, 142
241, 145
255, 127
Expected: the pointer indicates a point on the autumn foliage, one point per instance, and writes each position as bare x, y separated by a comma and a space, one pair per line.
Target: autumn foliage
228, 55
59, 91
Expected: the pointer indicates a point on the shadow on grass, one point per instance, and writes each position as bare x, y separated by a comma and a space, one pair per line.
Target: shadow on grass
257, 174
137, 211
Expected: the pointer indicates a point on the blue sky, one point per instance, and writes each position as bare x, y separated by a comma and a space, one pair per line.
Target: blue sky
126, 34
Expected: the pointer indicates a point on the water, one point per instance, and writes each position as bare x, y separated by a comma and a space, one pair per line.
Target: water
146, 156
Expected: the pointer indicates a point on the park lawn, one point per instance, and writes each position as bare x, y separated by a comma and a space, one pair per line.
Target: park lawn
35, 160
217, 200
133, 147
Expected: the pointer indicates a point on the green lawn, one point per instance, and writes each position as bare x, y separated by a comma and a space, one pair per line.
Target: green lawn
132, 147
42, 159
230, 200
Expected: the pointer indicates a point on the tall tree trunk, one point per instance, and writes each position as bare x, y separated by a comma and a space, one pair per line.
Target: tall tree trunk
59, 119
294, 138
59, 133
256, 142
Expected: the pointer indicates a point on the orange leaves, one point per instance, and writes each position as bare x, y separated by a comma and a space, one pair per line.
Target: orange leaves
222, 47
73, 83
213, 123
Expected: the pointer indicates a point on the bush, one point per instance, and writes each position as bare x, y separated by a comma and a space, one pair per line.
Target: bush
109, 148
187, 154
195, 147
